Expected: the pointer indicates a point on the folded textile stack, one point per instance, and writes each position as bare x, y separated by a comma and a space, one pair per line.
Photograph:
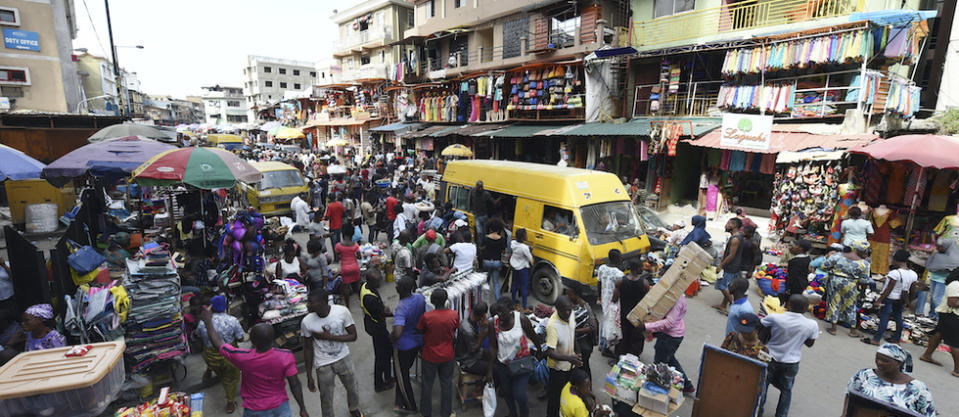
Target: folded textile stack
154, 326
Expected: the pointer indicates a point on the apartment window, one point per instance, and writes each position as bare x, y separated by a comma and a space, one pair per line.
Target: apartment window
670, 7
267, 69
282, 84
364, 25
364, 59
430, 9
232, 103
459, 48
296, 72
410, 19
513, 32
268, 83
563, 30
313, 74
14, 76
458, 3
282, 70
11, 91
296, 87
9, 16
322, 75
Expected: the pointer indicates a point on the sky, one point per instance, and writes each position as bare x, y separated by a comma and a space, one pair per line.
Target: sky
188, 44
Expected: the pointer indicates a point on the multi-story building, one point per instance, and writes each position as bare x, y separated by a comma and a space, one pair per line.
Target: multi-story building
266, 79
169, 111
100, 92
368, 34
37, 71
132, 94
158, 109
223, 105
328, 71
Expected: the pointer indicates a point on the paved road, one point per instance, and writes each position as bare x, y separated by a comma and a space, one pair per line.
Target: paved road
820, 385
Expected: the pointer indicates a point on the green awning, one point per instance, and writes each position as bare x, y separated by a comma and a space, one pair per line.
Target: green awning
521, 131
640, 126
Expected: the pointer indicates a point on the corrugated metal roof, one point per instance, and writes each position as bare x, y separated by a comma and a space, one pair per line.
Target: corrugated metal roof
521, 131
639, 126
444, 132
428, 131
792, 141
398, 127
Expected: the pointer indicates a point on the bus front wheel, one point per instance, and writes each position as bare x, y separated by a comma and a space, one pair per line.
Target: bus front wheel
546, 285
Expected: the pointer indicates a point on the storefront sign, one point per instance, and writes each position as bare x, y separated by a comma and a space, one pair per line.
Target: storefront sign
23, 40
748, 131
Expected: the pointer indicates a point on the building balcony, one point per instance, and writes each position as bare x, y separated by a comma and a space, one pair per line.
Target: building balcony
370, 71
698, 26
362, 40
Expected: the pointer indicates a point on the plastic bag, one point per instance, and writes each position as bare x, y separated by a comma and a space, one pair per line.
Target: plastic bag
489, 400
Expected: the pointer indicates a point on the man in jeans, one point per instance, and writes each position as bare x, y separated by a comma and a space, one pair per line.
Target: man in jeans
264, 370
790, 331
669, 334
480, 201
325, 332
561, 354
438, 328
406, 341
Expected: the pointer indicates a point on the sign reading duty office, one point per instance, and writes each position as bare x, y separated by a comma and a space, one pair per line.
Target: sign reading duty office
747, 131
23, 40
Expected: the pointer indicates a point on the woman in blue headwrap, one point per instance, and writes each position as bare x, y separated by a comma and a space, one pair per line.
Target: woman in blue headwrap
890, 381
699, 233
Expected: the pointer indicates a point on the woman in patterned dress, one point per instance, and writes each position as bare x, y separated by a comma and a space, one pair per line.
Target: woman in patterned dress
890, 382
846, 272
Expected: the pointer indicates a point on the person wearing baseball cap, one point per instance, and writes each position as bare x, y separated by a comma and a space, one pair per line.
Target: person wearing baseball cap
745, 340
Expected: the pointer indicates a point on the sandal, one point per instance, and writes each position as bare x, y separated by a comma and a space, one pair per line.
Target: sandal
230, 407
869, 341
831, 331
930, 360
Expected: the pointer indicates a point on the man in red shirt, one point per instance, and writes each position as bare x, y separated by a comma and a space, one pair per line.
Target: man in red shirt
391, 201
265, 371
334, 213
438, 327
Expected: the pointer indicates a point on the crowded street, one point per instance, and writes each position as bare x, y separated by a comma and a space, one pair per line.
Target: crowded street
582, 208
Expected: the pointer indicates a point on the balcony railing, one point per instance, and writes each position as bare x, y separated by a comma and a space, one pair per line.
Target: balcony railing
360, 38
745, 15
365, 72
692, 99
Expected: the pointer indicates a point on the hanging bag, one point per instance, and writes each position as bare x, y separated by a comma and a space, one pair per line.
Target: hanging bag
83, 259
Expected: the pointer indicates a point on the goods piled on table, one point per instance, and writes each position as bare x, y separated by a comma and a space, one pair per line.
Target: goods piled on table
168, 404
154, 326
653, 388
771, 279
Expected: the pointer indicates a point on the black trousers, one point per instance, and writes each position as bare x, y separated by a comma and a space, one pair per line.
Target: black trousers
404, 361
554, 388
383, 355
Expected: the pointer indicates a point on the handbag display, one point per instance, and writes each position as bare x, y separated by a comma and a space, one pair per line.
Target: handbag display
84, 259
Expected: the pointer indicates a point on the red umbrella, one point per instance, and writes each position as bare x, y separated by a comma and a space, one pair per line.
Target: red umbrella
928, 151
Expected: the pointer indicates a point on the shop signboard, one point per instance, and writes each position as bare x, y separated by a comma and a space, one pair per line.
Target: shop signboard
23, 40
747, 131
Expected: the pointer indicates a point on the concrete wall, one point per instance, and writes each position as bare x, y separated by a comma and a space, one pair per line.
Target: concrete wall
54, 85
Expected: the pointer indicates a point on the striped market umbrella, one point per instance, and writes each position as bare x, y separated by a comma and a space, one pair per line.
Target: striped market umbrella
206, 168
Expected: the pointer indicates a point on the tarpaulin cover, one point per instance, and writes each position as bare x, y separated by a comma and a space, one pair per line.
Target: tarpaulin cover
931, 151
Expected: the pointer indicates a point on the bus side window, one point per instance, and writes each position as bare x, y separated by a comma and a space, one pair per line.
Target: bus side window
460, 197
558, 220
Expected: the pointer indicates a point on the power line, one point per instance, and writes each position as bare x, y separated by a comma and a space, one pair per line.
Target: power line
103, 51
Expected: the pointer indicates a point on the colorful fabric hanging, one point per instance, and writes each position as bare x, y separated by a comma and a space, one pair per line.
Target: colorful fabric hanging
852, 46
777, 98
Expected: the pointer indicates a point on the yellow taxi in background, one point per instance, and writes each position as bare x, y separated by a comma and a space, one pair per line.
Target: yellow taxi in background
573, 217
229, 142
272, 195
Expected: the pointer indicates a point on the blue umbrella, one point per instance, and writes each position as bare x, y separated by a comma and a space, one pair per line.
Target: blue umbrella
17, 165
111, 158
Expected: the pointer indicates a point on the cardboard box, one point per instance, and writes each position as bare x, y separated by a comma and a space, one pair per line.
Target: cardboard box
689, 263
657, 403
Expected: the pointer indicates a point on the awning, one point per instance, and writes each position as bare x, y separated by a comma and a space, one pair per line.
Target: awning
792, 142
337, 122
480, 129
893, 17
398, 128
521, 131
788, 157
443, 132
640, 126
427, 132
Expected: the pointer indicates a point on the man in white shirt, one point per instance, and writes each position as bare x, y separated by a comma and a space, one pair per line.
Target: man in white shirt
790, 331
895, 291
325, 331
301, 211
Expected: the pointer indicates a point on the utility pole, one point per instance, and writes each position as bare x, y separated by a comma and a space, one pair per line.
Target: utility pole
116, 65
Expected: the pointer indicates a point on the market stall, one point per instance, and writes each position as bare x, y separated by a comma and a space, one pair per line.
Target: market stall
805, 194
911, 180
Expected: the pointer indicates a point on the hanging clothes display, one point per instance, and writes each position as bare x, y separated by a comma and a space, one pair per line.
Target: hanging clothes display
883, 221
903, 97
840, 48
777, 98
863, 88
